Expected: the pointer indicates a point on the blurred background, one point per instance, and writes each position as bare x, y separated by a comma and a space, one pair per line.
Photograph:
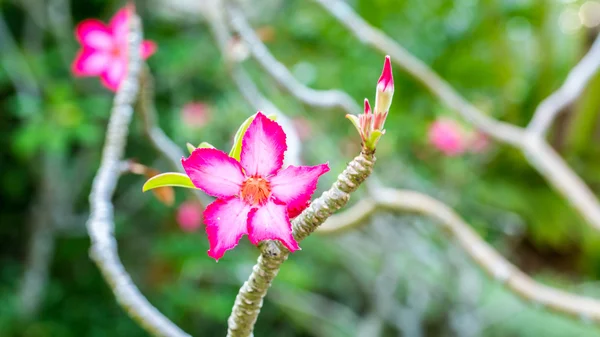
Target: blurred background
398, 275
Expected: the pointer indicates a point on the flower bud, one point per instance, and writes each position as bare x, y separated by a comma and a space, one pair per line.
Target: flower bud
385, 92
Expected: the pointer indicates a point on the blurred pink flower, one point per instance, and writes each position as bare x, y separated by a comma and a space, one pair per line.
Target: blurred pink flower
448, 136
104, 48
195, 114
189, 216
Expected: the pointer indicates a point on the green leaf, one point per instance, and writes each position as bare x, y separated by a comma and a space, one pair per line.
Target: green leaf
371, 143
168, 179
236, 149
355, 122
205, 145
190, 147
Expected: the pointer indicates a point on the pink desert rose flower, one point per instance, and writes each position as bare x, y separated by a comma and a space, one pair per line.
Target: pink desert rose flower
104, 48
448, 137
255, 196
195, 114
189, 216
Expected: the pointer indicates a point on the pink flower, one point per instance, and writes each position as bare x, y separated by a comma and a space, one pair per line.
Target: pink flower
448, 137
255, 196
195, 114
104, 48
189, 216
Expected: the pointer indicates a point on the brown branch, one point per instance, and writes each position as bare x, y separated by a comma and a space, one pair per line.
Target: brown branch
539, 154
480, 251
101, 224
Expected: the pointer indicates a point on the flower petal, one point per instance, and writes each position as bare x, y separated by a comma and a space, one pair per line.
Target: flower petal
214, 172
94, 34
89, 62
119, 24
263, 147
226, 222
148, 48
294, 185
114, 73
271, 222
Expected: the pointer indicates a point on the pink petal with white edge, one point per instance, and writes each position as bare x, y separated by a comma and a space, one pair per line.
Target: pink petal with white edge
271, 222
263, 147
294, 185
214, 172
89, 62
148, 48
114, 73
94, 34
226, 222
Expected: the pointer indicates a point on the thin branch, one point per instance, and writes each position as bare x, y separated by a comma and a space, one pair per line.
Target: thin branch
158, 138
539, 154
216, 18
101, 224
576, 81
250, 297
319, 98
480, 251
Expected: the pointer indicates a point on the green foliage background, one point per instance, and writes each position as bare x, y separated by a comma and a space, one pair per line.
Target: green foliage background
504, 56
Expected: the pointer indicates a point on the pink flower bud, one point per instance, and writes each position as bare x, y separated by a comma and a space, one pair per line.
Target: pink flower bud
189, 216
448, 137
384, 95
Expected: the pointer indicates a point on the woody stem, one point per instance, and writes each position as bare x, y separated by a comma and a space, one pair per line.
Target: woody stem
250, 297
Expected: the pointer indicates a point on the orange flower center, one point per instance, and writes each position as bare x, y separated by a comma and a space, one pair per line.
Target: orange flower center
255, 191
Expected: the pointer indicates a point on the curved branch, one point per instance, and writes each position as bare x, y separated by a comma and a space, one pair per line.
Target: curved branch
101, 224
539, 154
159, 139
250, 297
310, 96
480, 251
576, 81
215, 15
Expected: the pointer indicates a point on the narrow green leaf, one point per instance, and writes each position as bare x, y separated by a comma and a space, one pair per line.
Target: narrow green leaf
205, 145
190, 147
236, 149
168, 179
355, 122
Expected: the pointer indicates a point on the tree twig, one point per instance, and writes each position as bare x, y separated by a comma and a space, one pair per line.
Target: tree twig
159, 139
539, 154
480, 251
214, 12
575, 83
101, 224
310, 96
